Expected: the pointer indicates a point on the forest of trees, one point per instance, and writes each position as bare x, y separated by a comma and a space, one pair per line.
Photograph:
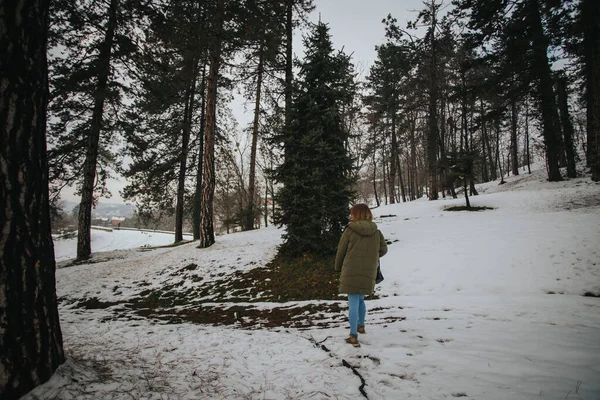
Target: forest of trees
468, 92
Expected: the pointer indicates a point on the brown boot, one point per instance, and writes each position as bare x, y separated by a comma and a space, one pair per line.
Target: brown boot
353, 340
361, 329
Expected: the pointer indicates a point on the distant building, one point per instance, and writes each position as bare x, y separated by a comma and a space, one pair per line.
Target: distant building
116, 221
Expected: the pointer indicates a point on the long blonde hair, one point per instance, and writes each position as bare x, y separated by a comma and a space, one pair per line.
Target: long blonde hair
360, 212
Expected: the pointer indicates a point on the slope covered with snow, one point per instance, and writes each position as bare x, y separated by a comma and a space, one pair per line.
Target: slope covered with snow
104, 240
475, 305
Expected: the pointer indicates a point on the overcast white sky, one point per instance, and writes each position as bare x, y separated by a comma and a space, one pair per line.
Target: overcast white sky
355, 25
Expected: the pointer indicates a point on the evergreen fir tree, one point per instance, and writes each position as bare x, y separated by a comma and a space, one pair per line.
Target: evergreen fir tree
316, 169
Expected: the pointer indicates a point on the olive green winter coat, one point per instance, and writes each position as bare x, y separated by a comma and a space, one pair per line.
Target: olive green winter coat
357, 256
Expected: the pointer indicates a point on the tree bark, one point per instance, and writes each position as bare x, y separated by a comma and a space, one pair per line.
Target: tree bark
375, 168
266, 204
432, 134
514, 143
409, 178
590, 11
567, 126
393, 161
470, 174
443, 176
493, 167
400, 178
198, 193
185, 141
413, 159
272, 185
541, 68
383, 164
498, 153
84, 234
528, 155
467, 201
31, 345
251, 181
289, 63
207, 237
489, 170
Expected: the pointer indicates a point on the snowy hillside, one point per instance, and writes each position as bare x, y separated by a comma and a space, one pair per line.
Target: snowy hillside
103, 241
475, 305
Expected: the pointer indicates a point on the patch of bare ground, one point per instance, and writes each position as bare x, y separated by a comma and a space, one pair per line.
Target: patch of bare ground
322, 315
232, 299
465, 208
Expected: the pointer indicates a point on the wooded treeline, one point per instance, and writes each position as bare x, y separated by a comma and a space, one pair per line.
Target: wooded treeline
467, 92
484, 86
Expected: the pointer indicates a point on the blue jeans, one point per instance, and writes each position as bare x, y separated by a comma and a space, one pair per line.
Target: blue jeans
356, 311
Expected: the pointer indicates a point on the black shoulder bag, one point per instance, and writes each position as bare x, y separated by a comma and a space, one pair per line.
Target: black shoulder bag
379, 277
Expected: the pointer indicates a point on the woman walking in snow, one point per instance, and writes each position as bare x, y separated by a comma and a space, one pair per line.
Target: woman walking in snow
357, 257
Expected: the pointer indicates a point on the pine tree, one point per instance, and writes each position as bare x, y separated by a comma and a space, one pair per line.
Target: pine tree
316, 169
268, 32
161, 123
430, 15
88, 44
588, 25
385, 78
263, 36
304, 7
215, 52
529, 23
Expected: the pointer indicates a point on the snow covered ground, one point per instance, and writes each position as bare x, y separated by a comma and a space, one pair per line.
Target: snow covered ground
475, 305
103, 241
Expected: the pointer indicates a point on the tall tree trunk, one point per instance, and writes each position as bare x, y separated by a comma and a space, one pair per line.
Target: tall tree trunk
84, 234
273, 208
30, 335
185, 141
567, 126
413, 158
514, 142
401, 178
493, 167
383, 164
487, 142
289, 63
484, 161
266, 203
375, 168
198, 193
528, 155
467, 201
445, 186
541, 67
207, 232
393, 161
498, 153
432, 134
409, 177
251, 181
590, 10
468, 176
